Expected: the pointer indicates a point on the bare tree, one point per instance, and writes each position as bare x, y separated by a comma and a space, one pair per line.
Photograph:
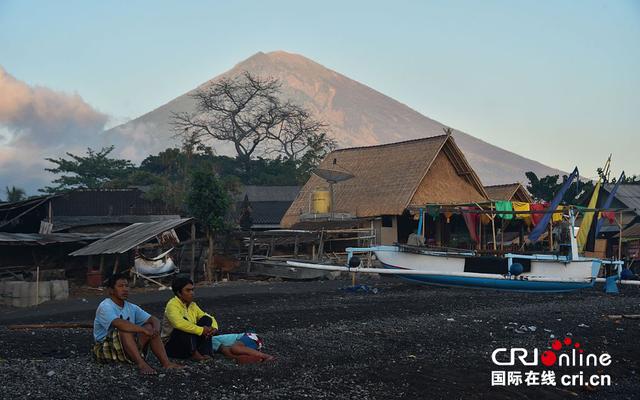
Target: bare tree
300, 133
248, 111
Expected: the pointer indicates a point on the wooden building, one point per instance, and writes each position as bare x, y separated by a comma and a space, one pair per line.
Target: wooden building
508, 192
388, 181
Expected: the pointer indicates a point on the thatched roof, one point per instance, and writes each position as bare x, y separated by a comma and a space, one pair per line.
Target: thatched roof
389, 178
509, 192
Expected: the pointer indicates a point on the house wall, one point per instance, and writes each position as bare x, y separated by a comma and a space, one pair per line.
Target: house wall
443, 185
388, 235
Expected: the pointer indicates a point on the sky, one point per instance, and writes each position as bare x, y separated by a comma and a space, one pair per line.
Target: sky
555, 81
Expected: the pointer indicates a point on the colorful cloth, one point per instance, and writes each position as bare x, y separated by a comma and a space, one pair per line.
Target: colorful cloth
537, 217
557, 216
225, 340
609, 215
111, 349
471, 219
250, 340
522, 206
108, 311
504, 206
433, 211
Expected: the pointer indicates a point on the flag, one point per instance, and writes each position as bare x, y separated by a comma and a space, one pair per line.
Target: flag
542, 225
587, 219
608, 202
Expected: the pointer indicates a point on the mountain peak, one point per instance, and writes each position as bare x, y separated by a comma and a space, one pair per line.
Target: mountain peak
357, 115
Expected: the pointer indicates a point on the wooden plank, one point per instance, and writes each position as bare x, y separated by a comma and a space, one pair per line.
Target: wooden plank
62, 325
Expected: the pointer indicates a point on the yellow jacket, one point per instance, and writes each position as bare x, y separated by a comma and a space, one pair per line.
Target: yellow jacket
178, 316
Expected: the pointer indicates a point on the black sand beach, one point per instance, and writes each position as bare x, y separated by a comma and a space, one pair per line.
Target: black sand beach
407, 341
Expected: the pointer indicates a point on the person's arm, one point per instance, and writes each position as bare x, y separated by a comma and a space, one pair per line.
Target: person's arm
200, 314
174, 315
208, 331
126, 326
155, 323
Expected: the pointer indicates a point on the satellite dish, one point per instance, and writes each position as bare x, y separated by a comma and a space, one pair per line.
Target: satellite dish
332, 175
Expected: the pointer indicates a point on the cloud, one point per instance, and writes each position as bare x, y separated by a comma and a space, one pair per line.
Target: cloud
37, 122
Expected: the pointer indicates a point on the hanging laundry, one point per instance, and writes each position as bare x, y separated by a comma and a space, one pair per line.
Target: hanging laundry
471, 219
504, 206
522, 206
609, 215
557, 217
537, 217
433, 211
448, 215
485, 219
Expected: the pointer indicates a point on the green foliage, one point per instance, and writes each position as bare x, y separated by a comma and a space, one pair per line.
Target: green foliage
207, 200
15, 194
92, 171
544, 189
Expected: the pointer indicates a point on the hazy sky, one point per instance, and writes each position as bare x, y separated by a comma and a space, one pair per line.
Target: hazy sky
555, 81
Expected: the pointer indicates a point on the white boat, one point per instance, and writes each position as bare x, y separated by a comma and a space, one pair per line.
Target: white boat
516, 272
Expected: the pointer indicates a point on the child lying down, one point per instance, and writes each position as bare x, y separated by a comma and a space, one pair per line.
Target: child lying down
241, 347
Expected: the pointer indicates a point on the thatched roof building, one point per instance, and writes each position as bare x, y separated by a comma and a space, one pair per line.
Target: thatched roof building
391, 178
508, 192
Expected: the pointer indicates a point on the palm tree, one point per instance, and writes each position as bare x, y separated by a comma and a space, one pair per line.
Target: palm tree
15, 194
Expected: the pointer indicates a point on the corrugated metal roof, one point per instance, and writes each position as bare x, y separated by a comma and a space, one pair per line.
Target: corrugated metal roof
630, 233
269, 193
127, 238
61, 223
628, 194
36, 239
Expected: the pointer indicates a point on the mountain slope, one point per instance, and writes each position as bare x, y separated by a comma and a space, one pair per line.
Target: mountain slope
357, 116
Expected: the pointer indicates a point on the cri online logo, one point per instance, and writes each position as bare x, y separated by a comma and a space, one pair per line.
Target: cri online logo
548, 358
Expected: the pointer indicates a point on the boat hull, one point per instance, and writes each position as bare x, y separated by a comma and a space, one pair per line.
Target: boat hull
543, 275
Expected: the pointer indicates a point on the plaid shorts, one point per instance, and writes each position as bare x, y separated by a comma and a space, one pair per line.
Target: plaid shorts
111, 350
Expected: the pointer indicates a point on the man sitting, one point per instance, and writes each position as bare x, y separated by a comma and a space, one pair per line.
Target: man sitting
122, 330
186, 329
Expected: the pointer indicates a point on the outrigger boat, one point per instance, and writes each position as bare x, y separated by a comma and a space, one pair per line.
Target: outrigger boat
519, 272
512, 271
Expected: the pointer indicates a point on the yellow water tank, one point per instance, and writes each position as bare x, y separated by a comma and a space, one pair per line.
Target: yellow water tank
321, 201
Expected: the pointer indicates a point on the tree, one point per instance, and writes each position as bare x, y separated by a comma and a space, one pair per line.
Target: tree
15, 194
248, 112
92, 171
544, 189
208, 201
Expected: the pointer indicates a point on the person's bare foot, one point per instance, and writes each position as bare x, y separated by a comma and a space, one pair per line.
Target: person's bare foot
172, 365
268, 357
199, 357
145, 369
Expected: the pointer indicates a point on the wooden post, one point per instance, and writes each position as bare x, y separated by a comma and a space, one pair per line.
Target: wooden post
551, 234
295, 247
321, 246
620, 237
50, 213
250, 254
493, 228
502, 234
193, 250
